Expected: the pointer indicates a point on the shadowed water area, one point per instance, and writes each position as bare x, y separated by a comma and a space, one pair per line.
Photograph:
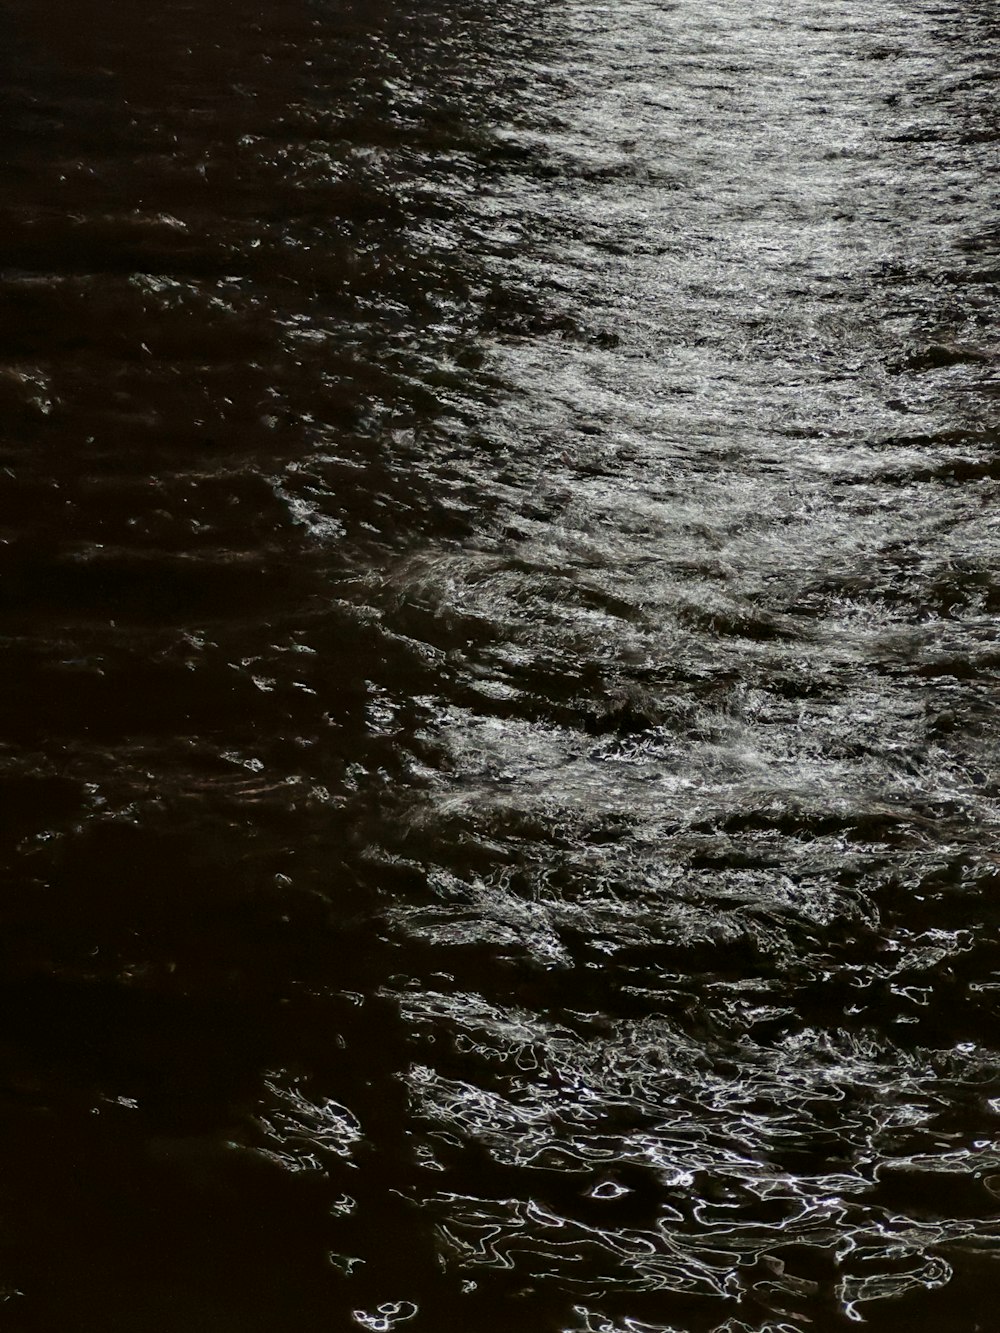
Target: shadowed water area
499, 666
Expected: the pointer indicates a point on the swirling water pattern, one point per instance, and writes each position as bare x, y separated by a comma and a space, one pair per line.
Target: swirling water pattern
500, 664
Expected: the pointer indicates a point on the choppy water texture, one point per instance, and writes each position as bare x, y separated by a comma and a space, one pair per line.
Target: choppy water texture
500, 661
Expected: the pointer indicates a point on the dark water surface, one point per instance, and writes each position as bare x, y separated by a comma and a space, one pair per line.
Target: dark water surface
500, 664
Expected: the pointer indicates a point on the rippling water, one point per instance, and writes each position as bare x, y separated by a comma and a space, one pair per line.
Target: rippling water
500, 664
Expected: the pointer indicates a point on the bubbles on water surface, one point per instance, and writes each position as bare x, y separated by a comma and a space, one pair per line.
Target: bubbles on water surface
388, 1315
